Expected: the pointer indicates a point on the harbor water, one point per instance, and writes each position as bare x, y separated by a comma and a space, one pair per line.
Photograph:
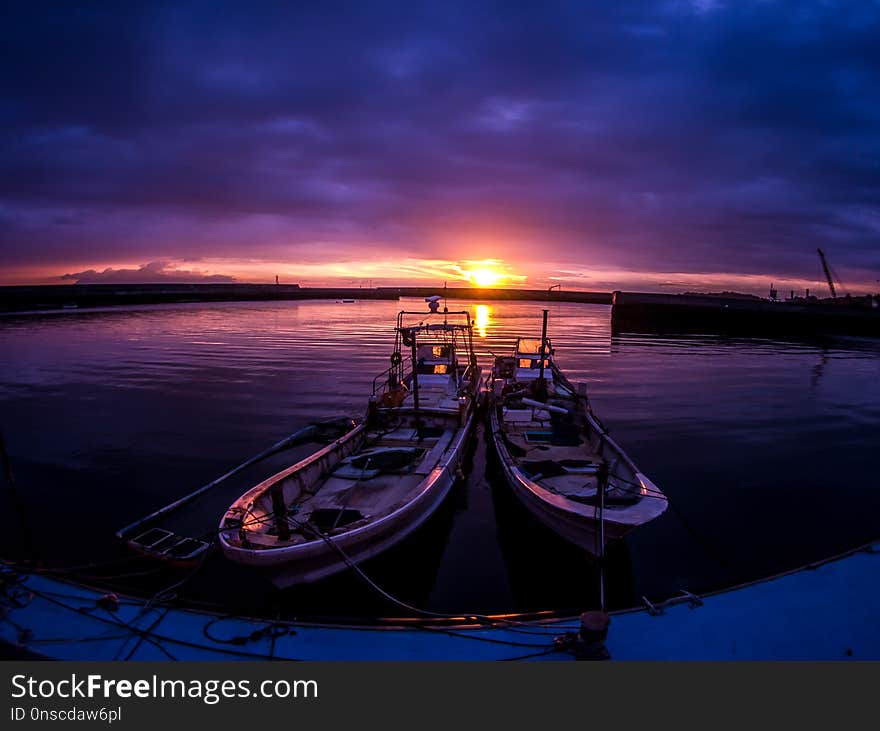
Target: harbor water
767, 449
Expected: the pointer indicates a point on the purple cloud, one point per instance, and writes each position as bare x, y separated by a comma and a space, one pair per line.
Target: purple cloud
649, 136
155, 272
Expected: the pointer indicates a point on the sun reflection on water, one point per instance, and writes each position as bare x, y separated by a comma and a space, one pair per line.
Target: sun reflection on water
482, 320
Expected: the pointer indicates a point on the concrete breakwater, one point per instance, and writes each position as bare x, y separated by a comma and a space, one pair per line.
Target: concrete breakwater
640, 312
70, 296
51, 297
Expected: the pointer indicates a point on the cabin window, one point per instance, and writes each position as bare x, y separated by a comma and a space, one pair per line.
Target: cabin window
435, 352
527, 347
533, 363
432, 368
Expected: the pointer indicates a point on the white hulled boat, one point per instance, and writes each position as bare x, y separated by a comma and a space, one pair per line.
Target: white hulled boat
379, 482
557, 456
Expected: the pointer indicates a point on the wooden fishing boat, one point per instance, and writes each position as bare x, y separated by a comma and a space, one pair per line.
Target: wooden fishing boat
557, 456
375, 485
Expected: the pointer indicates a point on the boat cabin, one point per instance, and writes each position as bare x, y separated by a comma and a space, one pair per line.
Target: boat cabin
433, 366
439, 375
528, 358
435, 359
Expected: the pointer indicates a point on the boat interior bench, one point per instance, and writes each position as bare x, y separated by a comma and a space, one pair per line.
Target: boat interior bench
430, 459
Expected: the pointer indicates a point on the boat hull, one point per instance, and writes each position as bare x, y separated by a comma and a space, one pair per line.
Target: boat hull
579, 524
580, 530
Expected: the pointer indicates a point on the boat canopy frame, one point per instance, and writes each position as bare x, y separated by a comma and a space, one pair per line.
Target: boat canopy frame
457, 336
445, 334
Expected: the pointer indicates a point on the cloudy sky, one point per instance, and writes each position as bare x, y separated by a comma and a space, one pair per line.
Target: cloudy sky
672, 144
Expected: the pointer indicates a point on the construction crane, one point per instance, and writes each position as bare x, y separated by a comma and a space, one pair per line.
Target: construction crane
827, 270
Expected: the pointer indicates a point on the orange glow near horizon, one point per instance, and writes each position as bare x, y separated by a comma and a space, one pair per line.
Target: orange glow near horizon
342, 273
414, 271
489, 273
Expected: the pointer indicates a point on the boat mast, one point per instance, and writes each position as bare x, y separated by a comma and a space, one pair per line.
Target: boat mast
415, 377
601, 486
469, 335
541, 385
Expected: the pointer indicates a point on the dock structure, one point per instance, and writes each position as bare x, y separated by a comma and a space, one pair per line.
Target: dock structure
823, 611
641, 312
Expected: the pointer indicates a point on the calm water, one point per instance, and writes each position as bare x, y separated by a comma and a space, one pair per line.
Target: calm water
768, 450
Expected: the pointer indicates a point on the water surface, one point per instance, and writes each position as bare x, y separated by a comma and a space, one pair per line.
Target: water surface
767, 449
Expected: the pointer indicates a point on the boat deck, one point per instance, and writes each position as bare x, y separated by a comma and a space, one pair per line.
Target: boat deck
362, 488
436, 393
563, 466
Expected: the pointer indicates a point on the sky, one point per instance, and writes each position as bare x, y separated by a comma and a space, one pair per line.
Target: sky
673, 146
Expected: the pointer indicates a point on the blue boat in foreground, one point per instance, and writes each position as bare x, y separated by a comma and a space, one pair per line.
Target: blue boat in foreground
823, 611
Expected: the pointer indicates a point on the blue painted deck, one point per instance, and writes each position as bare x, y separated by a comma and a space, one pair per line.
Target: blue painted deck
828, 611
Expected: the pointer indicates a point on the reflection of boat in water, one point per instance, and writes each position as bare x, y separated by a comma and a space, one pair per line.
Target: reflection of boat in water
557, 456
369, 489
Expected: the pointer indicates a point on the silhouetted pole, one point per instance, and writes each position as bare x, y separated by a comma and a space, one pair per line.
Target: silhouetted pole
601, 486
541, 383
415, 379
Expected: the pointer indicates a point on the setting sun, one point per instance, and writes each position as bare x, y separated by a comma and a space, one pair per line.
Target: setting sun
484, 277
487, 273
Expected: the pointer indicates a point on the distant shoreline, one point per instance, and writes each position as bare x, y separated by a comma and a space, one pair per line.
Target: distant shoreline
27, 298
631, 312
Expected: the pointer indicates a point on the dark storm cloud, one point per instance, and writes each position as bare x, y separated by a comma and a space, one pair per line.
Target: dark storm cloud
670, 136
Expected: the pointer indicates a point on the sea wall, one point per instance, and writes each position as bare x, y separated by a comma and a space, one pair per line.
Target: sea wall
17, 299
641, 312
